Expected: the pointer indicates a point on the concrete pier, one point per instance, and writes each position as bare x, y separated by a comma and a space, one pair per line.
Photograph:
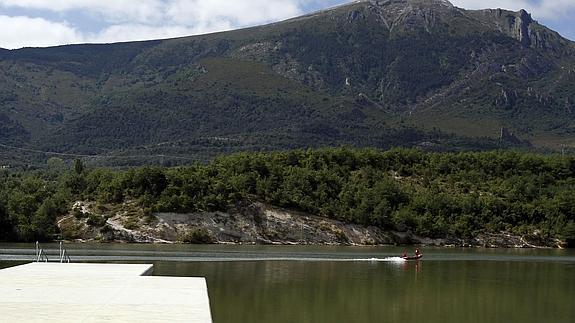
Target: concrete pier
54, 292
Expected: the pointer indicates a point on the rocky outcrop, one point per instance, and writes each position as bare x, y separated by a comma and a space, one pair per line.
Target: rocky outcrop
521, 26
411, 15
260, 224
254, 223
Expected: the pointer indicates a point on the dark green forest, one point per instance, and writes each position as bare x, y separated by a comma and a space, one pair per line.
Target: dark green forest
429, 194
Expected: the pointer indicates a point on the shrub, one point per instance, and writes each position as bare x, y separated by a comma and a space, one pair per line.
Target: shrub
96, 220
197, 236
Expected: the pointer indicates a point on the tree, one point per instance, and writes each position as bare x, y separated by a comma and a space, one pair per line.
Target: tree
78, 166
44, 220
5, 224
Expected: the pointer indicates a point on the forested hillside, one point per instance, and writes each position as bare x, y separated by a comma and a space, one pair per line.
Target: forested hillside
430, 194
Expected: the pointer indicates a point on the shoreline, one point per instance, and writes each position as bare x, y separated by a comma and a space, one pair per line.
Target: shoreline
508, 245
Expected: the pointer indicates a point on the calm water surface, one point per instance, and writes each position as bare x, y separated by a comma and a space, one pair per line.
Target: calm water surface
347, 284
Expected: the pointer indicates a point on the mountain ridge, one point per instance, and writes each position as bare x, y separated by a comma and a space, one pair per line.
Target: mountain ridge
369, 73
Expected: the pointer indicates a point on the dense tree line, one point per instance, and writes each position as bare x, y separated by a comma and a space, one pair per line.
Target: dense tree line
431, 194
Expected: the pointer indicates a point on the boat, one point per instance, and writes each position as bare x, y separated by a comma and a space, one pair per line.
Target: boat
412, 257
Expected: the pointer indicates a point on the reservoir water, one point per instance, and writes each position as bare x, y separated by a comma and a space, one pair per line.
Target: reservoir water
354, 284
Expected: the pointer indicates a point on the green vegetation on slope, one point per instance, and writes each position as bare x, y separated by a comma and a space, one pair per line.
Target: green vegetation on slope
431, 194
368, 74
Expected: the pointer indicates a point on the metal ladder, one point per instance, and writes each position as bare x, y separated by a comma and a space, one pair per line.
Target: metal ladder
41, 255
64, 254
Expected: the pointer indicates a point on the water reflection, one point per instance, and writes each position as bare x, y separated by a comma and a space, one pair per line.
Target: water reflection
385, 292
415, 266
317, 284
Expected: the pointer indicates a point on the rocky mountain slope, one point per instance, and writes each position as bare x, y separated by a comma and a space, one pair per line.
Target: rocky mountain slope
371, 73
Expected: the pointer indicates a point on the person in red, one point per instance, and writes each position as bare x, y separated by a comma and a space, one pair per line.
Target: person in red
417, 253
404, 254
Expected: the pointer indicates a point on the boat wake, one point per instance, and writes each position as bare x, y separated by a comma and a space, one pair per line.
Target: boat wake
387, 259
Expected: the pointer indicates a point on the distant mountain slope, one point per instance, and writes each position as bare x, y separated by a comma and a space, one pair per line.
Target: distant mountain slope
371, 73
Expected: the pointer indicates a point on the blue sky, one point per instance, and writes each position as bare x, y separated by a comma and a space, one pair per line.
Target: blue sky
27, 23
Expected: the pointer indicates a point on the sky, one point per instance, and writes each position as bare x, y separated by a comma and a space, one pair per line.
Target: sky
41, 23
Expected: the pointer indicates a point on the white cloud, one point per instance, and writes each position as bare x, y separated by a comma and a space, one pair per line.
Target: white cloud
239, 12
184, 12
129, 20
109, 10
17, 32
191, 17
541, 9
130, 32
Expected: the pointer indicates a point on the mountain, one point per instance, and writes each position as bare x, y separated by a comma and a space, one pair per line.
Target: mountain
370, 73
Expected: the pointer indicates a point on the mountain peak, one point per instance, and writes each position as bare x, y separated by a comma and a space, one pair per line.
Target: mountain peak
411, 15
412, 2
370, 73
